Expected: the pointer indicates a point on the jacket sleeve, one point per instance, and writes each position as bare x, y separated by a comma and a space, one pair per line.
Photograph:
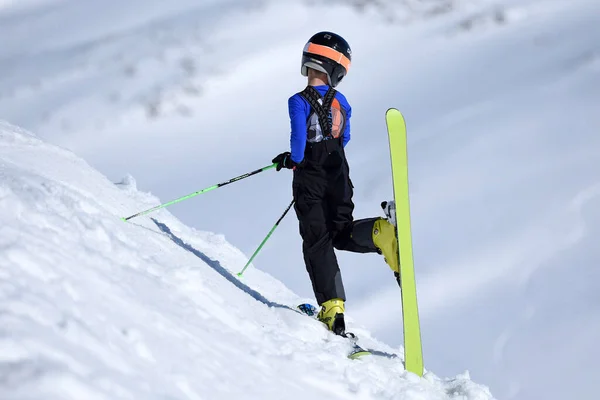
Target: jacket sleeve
346, 137
297, 110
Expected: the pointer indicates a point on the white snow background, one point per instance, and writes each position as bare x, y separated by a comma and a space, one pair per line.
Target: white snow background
501, 100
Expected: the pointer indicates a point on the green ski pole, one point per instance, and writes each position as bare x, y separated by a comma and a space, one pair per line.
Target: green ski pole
266, 238
208, 189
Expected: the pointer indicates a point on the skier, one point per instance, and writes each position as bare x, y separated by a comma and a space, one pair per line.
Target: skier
322, 189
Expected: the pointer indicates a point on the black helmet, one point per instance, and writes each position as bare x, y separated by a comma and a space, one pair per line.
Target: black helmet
329, 53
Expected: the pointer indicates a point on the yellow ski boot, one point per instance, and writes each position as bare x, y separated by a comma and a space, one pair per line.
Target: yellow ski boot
332, 315
384, 238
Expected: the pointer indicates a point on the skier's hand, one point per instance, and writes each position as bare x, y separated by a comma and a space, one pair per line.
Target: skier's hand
284, 160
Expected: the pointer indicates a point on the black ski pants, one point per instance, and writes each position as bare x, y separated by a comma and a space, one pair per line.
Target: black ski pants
323, 192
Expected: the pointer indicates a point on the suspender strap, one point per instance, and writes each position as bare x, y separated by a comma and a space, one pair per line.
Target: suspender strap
323, 111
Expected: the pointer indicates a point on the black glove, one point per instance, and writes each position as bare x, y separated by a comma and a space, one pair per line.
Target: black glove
284, 160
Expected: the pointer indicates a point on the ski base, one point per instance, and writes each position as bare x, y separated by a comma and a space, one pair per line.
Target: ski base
400, 210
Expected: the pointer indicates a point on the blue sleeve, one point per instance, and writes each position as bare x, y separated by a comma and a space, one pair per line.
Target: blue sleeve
346, 137
298, 115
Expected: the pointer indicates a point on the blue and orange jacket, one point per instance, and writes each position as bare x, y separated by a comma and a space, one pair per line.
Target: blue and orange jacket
308, 130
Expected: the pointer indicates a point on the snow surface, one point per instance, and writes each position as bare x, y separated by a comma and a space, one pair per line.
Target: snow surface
501, 99
92, 307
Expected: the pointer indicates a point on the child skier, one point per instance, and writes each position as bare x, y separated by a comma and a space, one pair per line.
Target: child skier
322, 189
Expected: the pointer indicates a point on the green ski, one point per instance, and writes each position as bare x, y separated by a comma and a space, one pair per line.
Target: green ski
413, 353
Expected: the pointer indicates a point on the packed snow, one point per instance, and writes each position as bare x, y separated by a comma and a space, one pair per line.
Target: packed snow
96, 308
501, 99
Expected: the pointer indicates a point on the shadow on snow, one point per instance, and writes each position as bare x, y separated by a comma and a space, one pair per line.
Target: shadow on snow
216, 265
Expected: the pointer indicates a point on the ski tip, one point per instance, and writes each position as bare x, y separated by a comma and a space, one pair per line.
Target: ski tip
359, 354
393, 113
307, 309
394, 119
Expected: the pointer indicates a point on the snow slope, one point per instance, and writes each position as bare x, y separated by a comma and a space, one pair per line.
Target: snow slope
95, 308
501, 99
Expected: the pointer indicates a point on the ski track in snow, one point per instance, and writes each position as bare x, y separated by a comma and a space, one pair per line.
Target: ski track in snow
95, 308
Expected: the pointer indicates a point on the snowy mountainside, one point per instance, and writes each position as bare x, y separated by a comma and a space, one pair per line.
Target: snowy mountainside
146, 60
95, 308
